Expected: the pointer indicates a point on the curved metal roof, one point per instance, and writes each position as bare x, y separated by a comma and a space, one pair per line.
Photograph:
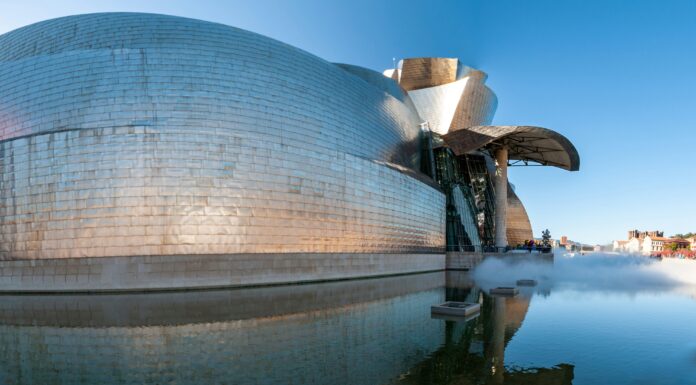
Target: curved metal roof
524, 143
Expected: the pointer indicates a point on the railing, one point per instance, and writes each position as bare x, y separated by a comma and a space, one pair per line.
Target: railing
465, 248
497, 249
534, 249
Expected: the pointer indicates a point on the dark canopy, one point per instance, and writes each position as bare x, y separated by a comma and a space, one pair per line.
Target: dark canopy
524, 143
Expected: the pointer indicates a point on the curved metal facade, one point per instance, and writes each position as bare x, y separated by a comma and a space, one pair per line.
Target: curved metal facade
446, 93
137, 134
518, 227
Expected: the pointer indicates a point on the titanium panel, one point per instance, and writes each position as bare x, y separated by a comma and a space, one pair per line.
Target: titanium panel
518, 227
423, 72
437, 105
382, 82
128, 69
477, 104
137, 134
148, 191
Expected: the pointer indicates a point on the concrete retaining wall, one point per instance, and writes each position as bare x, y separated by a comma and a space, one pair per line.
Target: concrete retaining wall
139, 273
456, 260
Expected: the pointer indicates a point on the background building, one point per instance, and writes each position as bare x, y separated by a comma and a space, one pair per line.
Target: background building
651, 242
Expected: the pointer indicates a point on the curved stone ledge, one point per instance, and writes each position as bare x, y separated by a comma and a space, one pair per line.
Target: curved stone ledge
206, 306
146, 273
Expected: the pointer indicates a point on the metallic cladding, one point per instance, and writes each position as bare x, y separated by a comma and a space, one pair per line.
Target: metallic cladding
447, 94
137, 134
423, 72
437, 105
477, 104
519, 229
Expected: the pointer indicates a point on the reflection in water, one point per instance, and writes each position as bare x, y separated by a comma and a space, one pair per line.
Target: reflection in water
353, 332
357, 332
474, 352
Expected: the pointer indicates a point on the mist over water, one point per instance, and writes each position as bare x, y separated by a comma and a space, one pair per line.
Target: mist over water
594, 271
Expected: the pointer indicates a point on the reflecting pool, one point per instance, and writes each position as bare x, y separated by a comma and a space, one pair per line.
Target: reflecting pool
589, 320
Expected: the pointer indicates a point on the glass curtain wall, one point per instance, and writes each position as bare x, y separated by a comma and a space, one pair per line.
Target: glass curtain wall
463, 227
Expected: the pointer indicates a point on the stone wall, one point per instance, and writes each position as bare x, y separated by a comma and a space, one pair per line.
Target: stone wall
463, 260
202, 271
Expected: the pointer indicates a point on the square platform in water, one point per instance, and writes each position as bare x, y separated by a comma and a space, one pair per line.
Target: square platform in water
456, 318
504, 291
453, 308
526, 282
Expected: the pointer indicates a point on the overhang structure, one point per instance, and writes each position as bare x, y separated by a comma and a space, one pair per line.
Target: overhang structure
525, 144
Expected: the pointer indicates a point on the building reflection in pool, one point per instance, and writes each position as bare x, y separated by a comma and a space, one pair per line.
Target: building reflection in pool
351, 332
474, 351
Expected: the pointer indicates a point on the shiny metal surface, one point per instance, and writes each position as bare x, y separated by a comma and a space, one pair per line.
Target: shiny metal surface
447, 94
519, 229
137, 134
477, 103
300, 334
423, 72
438, 105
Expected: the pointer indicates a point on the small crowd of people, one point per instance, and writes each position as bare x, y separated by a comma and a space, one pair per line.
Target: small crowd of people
532, 245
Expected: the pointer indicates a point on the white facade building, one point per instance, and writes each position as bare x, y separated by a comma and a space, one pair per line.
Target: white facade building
653, 244
633, 245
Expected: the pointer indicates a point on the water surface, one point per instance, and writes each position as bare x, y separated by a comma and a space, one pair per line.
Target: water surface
590, 320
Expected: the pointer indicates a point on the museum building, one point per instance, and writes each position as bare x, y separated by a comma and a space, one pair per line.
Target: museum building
143, 151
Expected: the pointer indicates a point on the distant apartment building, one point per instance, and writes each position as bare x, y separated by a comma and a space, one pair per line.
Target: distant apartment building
656, 244
633, 245
692, 243
649, 242
619, 245
653, 244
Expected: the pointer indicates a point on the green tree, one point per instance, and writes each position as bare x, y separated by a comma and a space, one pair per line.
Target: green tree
546, 238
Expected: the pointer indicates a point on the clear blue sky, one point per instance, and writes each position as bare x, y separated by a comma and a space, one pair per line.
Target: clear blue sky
618, 78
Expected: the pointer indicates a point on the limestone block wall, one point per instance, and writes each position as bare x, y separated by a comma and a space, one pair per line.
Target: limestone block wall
206, 306
462, 260
143, 273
